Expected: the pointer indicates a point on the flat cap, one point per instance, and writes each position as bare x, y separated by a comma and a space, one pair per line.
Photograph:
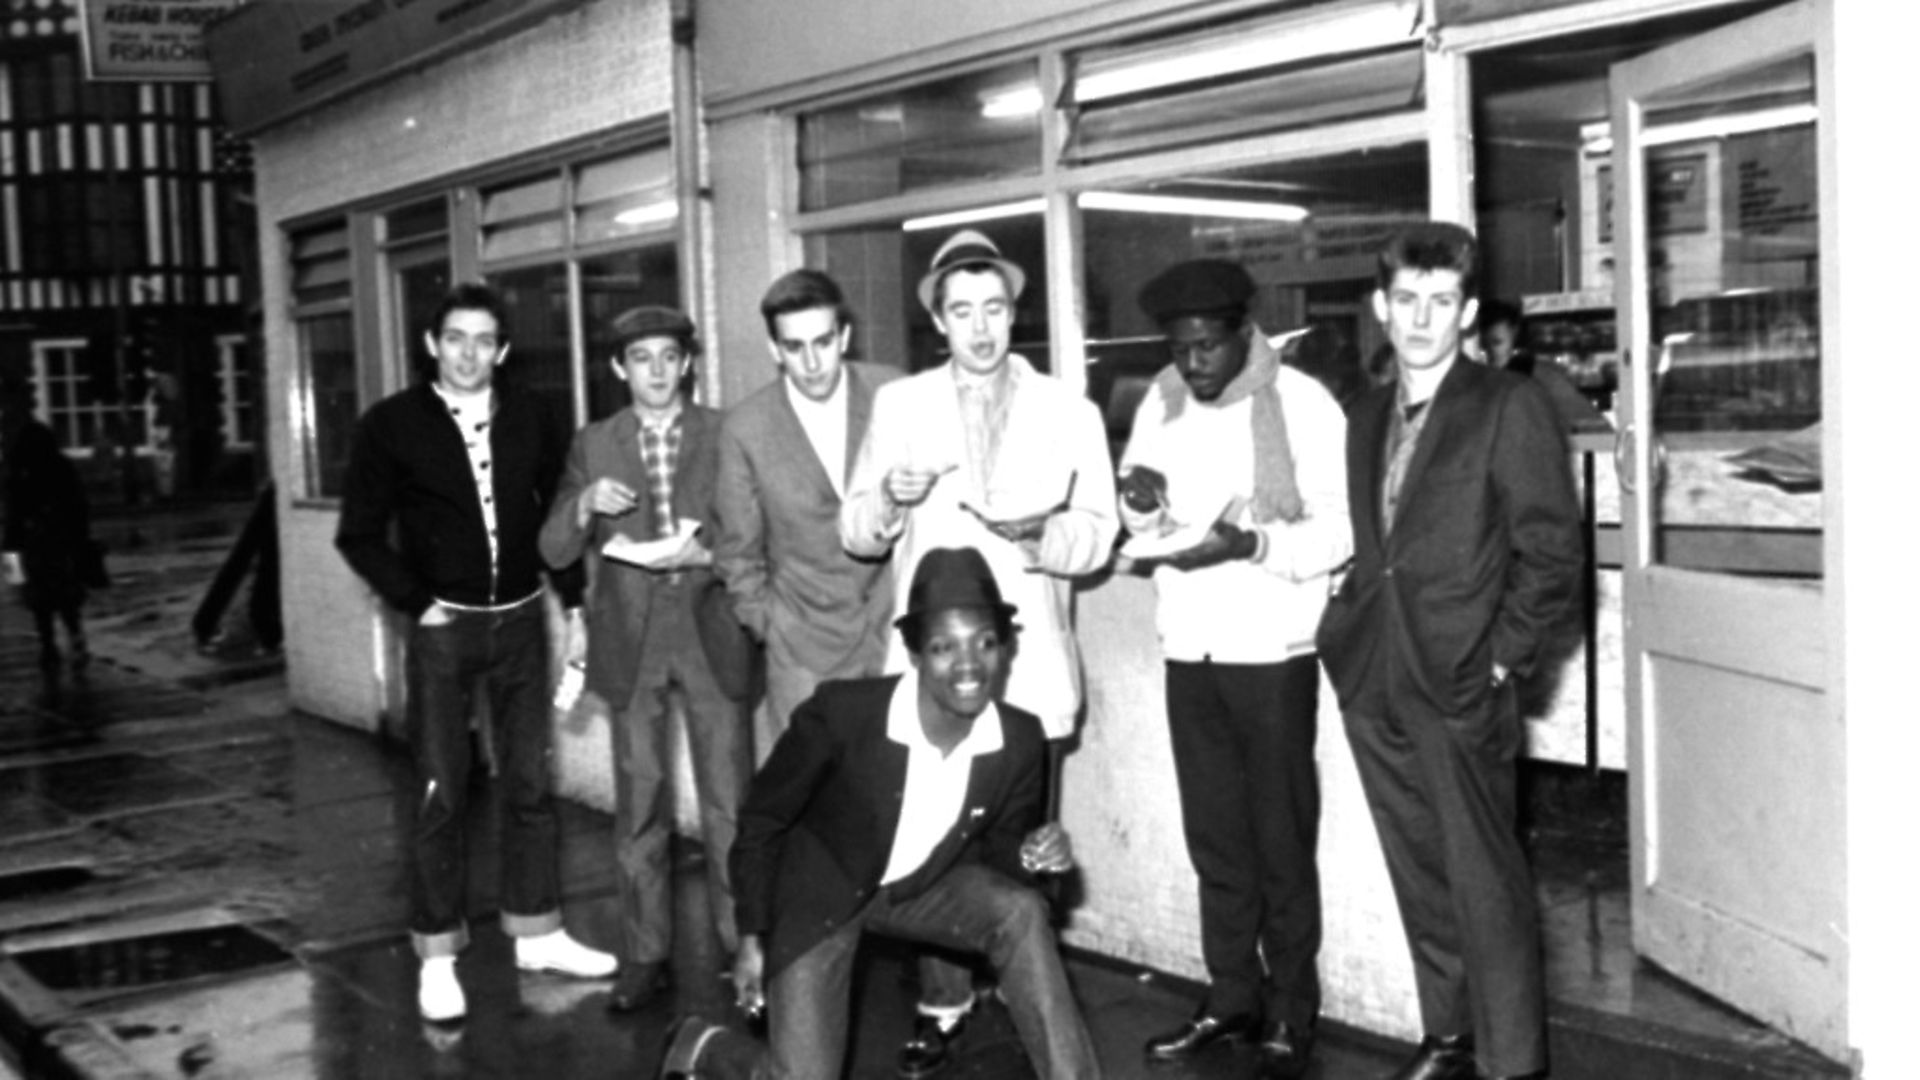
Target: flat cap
1211, 287
652, 320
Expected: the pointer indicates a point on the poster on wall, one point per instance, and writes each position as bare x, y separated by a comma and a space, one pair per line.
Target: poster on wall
149, 40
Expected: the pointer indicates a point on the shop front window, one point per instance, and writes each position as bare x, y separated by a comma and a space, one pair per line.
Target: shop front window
1307, 231
568, 250
879, 269
326, 372
329, 400
981, 126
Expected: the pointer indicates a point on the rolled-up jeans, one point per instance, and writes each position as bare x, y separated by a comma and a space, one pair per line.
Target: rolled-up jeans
506, 652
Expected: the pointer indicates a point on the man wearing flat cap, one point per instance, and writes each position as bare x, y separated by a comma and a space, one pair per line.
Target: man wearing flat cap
910, 805
636, 499
987, 453
1234, 488
441, 511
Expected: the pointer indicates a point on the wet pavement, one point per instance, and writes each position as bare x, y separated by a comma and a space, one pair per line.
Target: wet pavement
196, 881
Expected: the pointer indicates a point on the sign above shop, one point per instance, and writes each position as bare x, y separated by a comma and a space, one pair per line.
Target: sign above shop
275, 59
149, 40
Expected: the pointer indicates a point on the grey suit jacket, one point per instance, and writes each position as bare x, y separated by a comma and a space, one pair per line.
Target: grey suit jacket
778, 539
622, 596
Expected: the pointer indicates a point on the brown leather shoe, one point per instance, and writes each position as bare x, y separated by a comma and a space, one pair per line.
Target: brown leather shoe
1441, 1057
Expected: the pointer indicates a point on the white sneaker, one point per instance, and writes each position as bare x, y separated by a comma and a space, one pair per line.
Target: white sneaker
558, 953
441, 999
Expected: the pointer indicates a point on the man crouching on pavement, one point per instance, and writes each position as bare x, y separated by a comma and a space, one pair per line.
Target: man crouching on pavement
909, 805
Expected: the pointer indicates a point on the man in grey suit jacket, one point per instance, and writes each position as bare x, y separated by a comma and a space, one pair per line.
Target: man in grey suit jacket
1467, 550
785, 455
636, 499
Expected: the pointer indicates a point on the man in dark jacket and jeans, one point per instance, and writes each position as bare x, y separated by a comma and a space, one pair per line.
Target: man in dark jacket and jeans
466, 472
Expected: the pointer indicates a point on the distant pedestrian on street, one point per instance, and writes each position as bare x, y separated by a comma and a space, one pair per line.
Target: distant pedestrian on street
48, 539
462, 472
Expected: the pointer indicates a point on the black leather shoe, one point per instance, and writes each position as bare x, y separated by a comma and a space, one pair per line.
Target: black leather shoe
1199, 1033
1285, 1051
637, 985
930, 1048
1448, 1057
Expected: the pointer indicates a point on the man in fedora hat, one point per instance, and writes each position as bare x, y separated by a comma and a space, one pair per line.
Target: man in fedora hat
910, 805
985, 452
635, 499
1229, 436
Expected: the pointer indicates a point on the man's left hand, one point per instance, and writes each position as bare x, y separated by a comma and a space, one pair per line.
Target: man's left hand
1047, 850
1223, 543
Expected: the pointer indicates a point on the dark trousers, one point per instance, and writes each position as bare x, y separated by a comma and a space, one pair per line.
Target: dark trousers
673, 667
1442, 792
505, 652
1243, 739
970, 907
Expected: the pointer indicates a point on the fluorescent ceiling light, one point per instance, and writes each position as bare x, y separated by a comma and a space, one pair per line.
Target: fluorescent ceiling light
1192, 207
1298, 36
1010, 102
648, 214
977, 214
1597, 137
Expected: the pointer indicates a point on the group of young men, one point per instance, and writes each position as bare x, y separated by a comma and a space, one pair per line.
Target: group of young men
875, 535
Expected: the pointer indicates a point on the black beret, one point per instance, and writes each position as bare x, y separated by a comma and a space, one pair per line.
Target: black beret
1212, 287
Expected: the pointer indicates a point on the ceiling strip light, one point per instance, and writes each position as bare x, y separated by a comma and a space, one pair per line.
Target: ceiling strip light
648, 214
977, 214
1305, 36
1191, 207
1599, 138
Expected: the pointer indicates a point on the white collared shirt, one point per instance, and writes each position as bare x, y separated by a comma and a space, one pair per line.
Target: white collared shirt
936, 791
825, 423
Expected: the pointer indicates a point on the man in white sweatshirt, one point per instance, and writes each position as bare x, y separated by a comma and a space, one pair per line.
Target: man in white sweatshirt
1234, 487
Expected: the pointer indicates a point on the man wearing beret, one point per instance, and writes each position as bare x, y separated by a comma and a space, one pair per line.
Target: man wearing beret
985, 452
1468, 552
441, 514
1234, 481
911, 805
657, 626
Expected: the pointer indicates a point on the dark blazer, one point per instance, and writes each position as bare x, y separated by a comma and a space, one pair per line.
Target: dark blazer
778, 544
1485, 555
409, 468
818, 825
623, 595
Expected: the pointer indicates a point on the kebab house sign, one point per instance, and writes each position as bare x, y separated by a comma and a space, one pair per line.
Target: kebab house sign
150, 40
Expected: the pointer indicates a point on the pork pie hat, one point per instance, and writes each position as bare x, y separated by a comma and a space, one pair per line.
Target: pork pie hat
952, 578
1212, 288
963, 250
649, 321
